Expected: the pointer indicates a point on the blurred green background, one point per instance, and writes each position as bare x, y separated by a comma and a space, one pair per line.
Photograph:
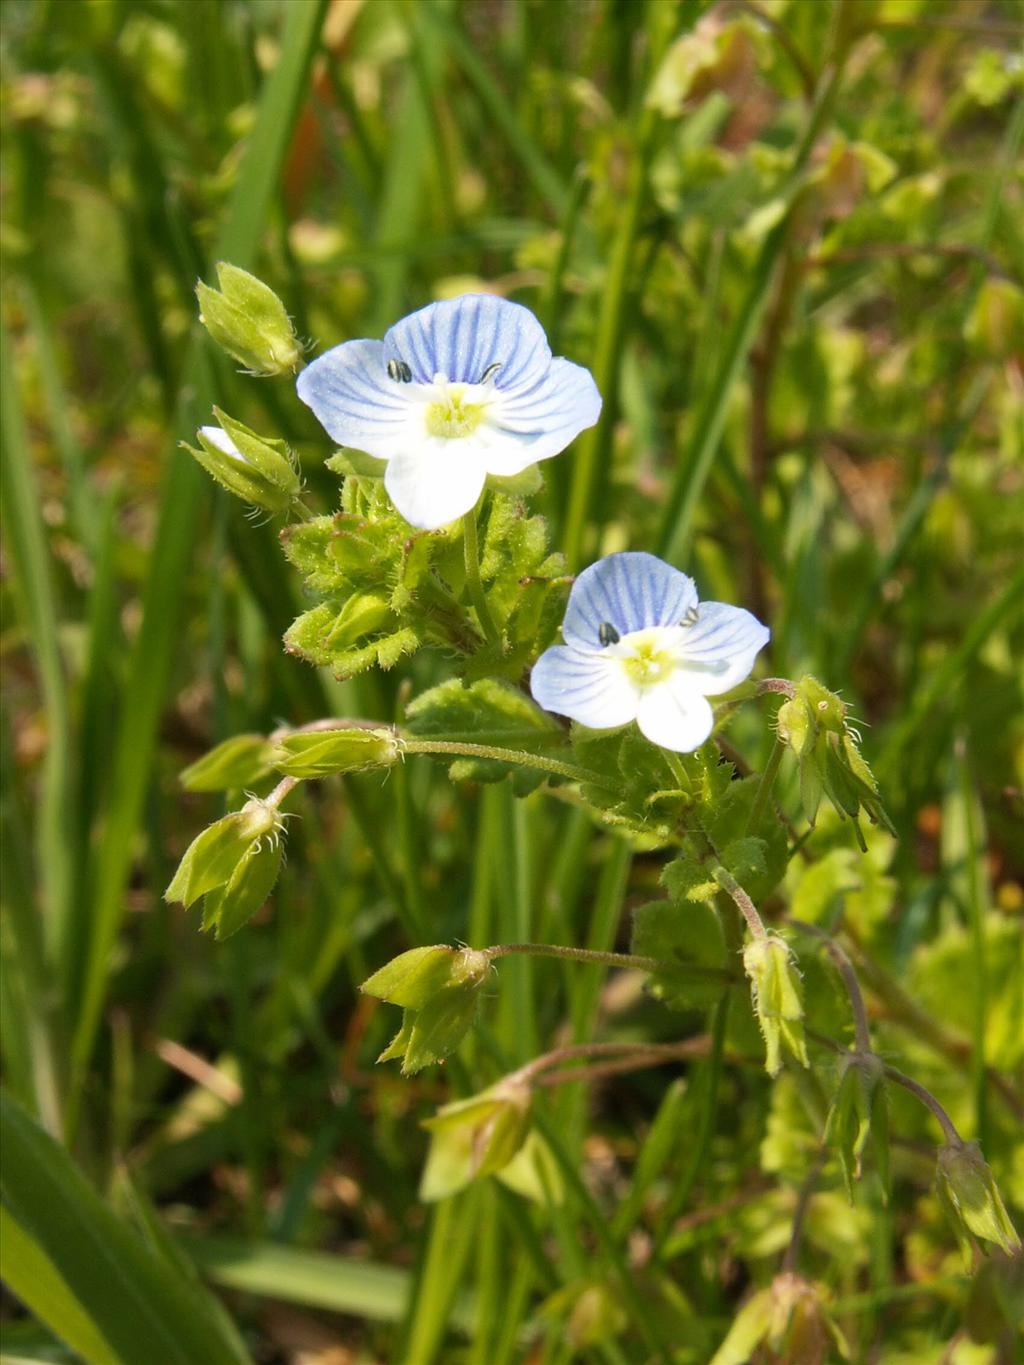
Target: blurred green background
787, 238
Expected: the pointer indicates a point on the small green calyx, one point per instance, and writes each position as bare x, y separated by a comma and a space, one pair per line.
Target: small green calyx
438, 988
453, 417
860, 1113
239, 762
776, 995
815, 725
476, 1137
249, 321
256, 469
319, 753
213, 857
968, 1189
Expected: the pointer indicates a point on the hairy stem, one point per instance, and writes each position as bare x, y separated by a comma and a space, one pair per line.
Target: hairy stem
521, 757
746, 906
644, 964
928, 1100
641, 1054
277, 796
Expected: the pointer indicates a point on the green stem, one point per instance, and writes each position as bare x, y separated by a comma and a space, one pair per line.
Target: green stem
643, 964
764, 790
520, 757
474, 586
746, 906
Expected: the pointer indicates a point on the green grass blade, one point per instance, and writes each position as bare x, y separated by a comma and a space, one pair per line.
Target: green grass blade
676, 535
138, 1302
32, 1276
26, 539
182, 496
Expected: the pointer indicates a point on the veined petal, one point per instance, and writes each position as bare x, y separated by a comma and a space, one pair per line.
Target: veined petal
462, 338
546, 415
355, 400
721, 645
587, 688
675, 716
630, 591
432, 490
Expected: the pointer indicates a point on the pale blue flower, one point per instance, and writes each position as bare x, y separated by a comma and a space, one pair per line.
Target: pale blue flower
640, 646
457, 391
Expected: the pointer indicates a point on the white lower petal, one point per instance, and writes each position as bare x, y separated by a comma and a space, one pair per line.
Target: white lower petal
588, 688
434, 489
675, 716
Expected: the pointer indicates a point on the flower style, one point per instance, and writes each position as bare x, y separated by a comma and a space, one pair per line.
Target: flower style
640, 646
454, 392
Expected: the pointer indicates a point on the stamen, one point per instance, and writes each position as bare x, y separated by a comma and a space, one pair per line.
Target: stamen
399, 371
607, 633
490, 372
691, 618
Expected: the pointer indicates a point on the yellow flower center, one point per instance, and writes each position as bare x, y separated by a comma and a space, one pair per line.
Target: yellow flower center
452, 416
647, 664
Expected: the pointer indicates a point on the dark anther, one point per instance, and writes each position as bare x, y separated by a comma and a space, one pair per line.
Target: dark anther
691, 617
607, 633
490, 371
399, 371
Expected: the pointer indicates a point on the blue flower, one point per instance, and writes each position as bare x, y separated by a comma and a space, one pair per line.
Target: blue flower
640, 646
455, 392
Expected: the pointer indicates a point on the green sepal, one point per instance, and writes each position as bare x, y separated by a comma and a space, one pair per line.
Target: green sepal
968, 1189
413, 978
212, 857
262, 473
777, 1000
248, 320
239, 762
475, 1137
312, 637
859, 1111
227, 908
439, 1027
319, 753
356, 463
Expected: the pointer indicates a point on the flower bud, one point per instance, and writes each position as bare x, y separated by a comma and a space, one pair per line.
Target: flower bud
597, 1316
364, 613
859, 1112
791, 1317
248, 320
318, 753
227, 908
412, 979
237, 763
775, 990
996, 322
213, 857
439, 989
968, 1188
475, 1137
254, 468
